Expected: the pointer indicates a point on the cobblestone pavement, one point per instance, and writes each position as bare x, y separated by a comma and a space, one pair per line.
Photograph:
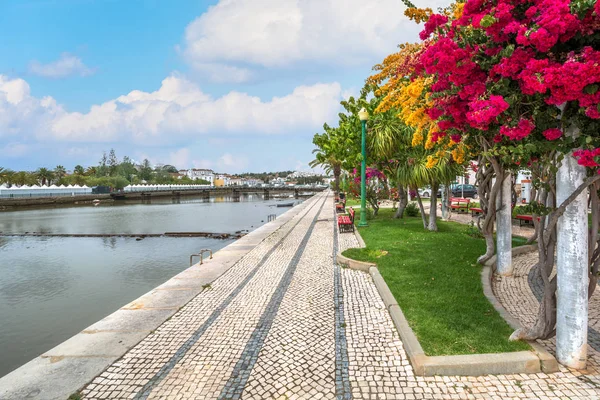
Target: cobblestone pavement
287, 323
520, 295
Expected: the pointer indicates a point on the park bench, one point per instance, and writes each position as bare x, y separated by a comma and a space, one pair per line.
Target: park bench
346, 222
526, 218
475, 210
457, 203
340, 207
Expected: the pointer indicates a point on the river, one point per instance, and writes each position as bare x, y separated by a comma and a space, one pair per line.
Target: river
53, 287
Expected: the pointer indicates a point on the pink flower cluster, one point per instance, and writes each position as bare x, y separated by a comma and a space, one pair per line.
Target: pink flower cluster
435, 21
587, 158
484, 112
527, 44
370, 174
552, 133
519, 132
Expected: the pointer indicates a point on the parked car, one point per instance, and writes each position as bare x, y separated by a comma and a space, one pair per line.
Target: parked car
461, 190
425, 192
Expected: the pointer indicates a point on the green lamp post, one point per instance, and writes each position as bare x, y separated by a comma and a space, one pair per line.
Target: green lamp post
364, 116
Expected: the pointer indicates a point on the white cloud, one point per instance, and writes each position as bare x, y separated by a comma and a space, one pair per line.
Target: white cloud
21, 113
174, 114
14, 150
180, 158
230, 162
221, 73
277, 33
202, 164
67, 65
180, 109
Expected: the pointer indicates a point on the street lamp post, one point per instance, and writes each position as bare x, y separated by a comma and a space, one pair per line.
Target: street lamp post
364, 116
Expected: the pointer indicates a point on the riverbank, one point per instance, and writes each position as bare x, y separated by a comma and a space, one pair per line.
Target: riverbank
8, 204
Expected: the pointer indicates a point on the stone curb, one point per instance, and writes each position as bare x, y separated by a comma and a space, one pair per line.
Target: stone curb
68, 367
355, 264
527, 362
548, 362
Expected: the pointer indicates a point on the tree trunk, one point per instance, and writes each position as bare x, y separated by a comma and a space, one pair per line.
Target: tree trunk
336, 174
432, 226
593, 248
446, 203
545, 325
402, 201
488, 191
572, 268
420, 203
504, 227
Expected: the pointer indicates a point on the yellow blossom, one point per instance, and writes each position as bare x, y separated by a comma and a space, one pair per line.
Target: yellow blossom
458, 10
431, 162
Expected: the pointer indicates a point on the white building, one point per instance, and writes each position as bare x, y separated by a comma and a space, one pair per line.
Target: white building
301, 174
199, 173
235, 181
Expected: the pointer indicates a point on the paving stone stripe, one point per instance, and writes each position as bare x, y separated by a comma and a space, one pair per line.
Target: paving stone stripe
241, 372
297, 360
343, 389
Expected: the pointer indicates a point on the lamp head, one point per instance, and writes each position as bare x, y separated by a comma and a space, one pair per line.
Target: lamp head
363, 114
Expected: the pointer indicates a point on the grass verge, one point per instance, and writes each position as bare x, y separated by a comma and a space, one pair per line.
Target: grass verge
437, 283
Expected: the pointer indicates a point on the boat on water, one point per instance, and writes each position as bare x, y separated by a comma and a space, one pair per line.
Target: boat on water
291, 204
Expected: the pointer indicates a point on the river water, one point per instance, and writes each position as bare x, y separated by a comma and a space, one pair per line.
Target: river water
53, 287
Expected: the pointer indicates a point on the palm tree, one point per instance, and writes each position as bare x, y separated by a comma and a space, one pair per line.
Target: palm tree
78, 170
91, 171
24, 178
6, 175
44, 175
59, 172
389, 142
327, 156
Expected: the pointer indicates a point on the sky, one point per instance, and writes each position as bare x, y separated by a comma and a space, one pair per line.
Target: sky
231, 85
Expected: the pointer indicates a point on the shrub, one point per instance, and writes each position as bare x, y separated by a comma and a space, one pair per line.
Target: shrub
411, 209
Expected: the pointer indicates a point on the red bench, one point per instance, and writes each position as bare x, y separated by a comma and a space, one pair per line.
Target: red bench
457, 203
346, 222
475, 210
527, 218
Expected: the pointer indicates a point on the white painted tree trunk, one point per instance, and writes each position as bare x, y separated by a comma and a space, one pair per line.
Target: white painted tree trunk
504, 265
445, 210
572, 268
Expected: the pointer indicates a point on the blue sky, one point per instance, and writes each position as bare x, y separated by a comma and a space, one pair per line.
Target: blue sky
232, 85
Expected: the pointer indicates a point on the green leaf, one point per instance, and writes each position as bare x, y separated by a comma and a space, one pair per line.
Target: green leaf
591, 89
488, 21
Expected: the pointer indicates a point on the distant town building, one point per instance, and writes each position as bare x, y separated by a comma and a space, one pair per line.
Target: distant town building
301, 174
177, 175
222, 180
201, 173
235, 181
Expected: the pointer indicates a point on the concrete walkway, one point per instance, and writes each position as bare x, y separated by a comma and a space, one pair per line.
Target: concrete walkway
285, 322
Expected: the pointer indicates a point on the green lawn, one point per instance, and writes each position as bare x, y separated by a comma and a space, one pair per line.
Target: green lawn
437, 283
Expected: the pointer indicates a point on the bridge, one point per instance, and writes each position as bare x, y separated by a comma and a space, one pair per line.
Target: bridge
208, 192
